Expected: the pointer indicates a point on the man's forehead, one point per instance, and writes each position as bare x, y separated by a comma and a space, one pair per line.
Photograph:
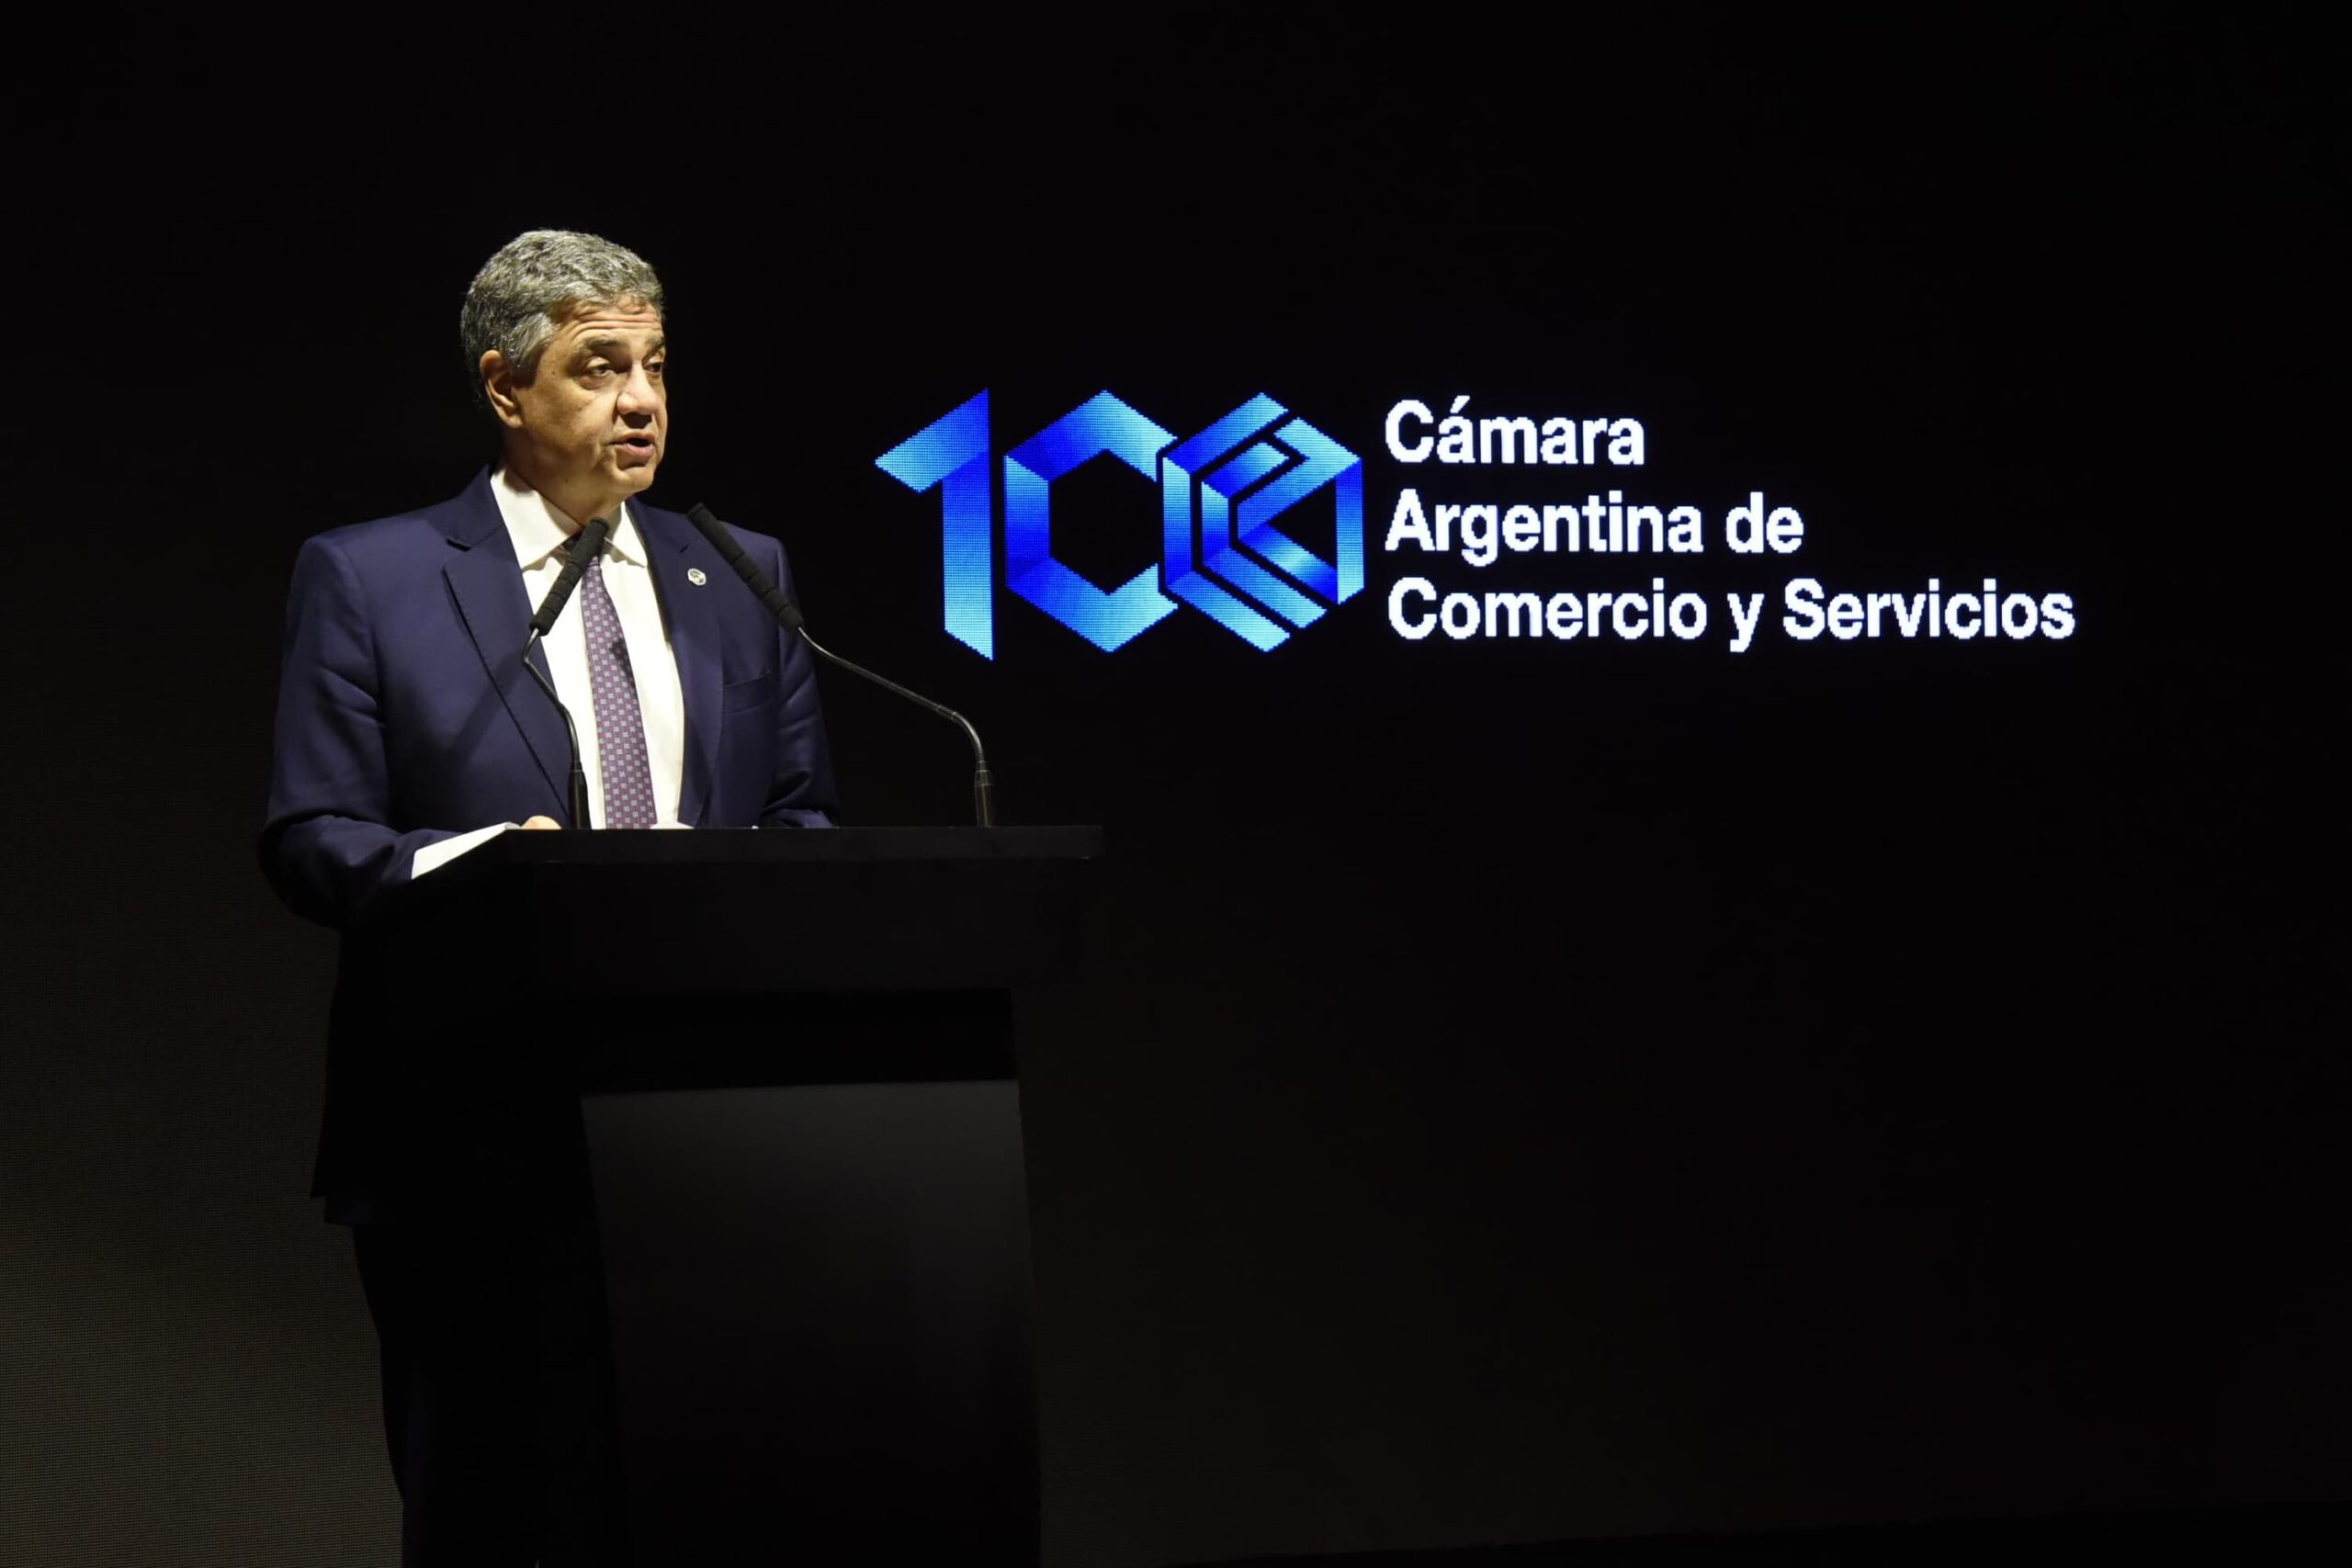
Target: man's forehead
626, 319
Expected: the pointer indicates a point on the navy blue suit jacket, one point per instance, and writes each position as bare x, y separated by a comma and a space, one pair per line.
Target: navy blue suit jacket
405, 715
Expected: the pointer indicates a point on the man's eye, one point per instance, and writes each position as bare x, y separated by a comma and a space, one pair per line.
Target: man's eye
600, 370
655, 367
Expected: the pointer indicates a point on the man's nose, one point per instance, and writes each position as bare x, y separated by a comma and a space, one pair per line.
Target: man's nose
641, 396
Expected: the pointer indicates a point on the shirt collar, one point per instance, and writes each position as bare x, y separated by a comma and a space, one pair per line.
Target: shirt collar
538, 530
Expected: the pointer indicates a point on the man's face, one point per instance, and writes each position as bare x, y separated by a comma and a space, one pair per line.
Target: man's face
590, 427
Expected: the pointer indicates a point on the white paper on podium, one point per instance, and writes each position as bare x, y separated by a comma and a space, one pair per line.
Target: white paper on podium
433, 857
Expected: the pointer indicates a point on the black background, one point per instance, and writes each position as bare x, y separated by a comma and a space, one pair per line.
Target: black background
1540, 1089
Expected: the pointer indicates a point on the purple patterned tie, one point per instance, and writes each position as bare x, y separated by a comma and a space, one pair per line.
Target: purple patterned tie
620, 726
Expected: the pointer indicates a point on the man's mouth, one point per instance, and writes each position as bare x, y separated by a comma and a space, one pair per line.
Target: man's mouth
636, 445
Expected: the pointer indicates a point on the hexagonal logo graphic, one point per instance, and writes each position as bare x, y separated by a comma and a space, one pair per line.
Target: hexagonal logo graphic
1223, 491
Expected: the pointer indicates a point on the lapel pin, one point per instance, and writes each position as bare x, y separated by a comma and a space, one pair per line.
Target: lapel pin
695, 576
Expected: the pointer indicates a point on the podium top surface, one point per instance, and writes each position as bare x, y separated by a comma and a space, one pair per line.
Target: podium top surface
747, 908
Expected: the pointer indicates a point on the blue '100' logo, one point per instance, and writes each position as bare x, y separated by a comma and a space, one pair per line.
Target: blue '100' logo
1220, 492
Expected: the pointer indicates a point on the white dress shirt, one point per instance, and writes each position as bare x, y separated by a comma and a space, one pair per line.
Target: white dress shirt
538, 532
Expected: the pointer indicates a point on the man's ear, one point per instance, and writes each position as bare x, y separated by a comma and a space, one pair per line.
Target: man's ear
498, 385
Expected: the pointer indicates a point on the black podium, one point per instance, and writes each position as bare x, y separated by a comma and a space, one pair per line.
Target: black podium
793, 1058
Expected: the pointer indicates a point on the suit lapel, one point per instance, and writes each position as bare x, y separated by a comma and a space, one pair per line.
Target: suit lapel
488, 588
690, 612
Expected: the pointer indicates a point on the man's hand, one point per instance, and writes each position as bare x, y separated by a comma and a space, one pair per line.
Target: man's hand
543, 822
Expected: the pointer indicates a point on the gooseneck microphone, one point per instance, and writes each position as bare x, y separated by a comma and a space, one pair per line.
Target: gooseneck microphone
577, 555
788, 617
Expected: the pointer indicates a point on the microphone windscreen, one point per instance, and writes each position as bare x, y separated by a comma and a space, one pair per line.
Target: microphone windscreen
711, 528
706, 521
576, 556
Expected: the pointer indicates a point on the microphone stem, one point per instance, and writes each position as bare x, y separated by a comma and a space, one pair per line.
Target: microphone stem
983, 787
579, 781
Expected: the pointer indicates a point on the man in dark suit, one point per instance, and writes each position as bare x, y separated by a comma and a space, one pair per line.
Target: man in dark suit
408, 732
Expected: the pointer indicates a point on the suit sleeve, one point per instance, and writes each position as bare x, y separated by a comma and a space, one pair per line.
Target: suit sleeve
801, 795
328, 847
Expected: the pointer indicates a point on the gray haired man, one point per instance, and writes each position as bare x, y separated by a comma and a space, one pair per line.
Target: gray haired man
408, 733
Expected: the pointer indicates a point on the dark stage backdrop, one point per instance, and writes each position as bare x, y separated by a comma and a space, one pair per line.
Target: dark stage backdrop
1532, 1088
